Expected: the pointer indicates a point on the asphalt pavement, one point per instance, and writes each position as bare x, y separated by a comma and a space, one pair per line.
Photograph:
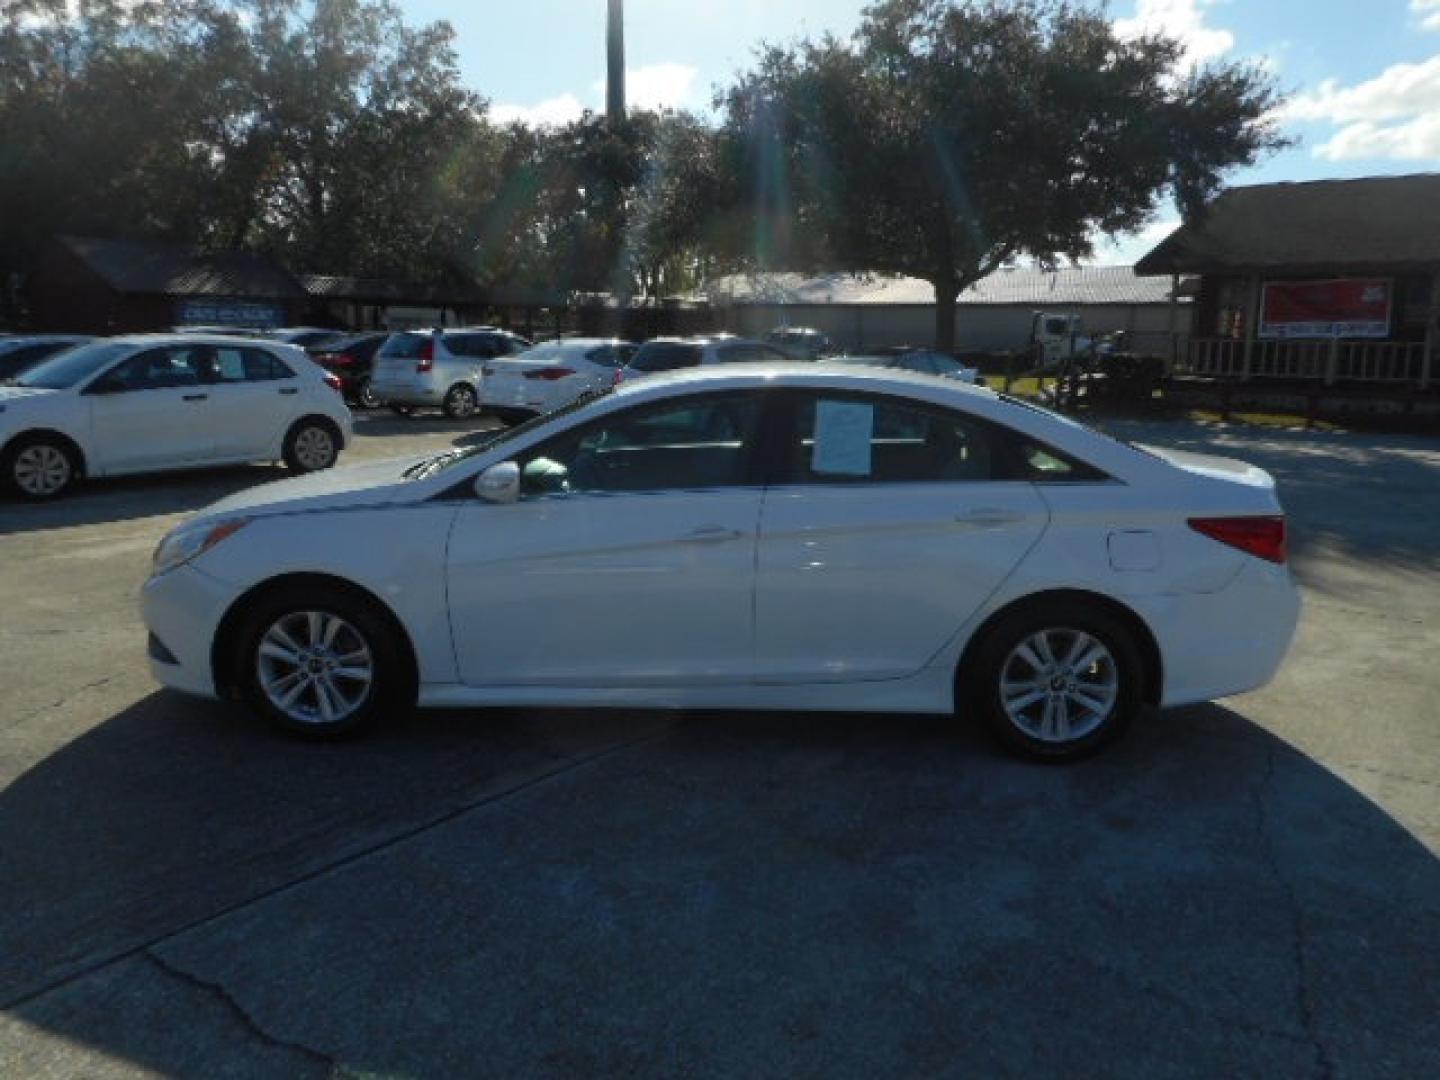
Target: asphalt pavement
1243, 888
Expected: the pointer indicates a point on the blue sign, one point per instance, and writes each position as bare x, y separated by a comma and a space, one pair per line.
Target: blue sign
244, 313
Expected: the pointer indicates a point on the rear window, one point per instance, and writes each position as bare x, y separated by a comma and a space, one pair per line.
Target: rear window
405, 346
666, 356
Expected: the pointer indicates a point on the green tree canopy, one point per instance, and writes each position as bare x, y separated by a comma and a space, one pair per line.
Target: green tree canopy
947, 139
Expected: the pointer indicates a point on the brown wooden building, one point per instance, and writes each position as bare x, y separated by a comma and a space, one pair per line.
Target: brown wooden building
1335, 282
103, 286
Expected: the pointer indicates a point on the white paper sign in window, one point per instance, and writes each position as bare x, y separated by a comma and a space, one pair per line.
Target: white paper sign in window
843, 430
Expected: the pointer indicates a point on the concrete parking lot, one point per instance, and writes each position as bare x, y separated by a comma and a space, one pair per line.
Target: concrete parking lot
1243, 888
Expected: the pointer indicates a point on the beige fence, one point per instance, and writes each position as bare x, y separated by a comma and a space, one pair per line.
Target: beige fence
1326, 361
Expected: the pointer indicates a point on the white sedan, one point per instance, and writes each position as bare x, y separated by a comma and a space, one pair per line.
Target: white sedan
744, 536
549, 376
174, 401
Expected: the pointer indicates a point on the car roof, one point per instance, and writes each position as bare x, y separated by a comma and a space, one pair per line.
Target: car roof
579, 342
197, 339
822, 373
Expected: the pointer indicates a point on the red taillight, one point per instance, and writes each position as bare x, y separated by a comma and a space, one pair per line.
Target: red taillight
425, 358
339, 359
549, 374
619, 377
1263, 537
333, 381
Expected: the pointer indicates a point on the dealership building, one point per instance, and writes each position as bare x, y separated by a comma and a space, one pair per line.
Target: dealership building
1330, 282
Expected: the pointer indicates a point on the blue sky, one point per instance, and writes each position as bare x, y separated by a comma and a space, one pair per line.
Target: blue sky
1364, 77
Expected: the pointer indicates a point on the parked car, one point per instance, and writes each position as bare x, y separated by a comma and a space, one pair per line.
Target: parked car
923, 361
673, 354
800, 342
351, 359
744, 536
166, 401
26, 350
551, 375
307, 337
439, 368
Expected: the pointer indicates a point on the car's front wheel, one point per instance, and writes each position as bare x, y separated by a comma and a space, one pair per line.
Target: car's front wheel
1056, 682
312, 445
365, 395
39, 467
322, 663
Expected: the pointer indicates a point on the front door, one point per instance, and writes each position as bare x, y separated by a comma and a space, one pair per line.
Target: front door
628, 561
890, 526
152, 411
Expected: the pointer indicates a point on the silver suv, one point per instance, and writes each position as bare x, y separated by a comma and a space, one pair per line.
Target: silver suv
419, 369
672, 354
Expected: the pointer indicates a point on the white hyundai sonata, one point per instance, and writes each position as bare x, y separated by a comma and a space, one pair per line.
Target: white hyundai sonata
737, 536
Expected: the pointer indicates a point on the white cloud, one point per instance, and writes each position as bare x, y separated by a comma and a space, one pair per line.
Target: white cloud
1182, 19
556, 110
1429, 12
656, 86
1127, 250
1394, 115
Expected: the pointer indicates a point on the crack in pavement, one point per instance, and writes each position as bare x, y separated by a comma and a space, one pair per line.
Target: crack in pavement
218, 992
61, 702
1304, 997
405, 833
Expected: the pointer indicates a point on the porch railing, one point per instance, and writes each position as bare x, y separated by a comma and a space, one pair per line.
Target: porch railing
1324, 361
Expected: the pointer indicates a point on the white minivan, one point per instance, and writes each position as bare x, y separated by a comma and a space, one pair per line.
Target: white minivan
149, 403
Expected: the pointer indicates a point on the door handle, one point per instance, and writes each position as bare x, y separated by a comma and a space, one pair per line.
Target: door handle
289, 390
711, 534
195, 397
989, 516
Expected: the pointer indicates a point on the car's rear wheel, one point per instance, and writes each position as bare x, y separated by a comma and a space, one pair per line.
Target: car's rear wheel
39, 467
312, 445
461, 402
1056, 682
322, 663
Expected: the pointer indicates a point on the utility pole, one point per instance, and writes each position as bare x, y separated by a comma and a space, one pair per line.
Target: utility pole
615, 53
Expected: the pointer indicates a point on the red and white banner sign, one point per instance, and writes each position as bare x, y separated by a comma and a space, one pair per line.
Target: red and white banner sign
1344, 307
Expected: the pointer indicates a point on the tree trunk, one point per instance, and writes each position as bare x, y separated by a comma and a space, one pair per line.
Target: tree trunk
946, 290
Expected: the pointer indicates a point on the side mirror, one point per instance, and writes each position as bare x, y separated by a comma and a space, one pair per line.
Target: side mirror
499, 483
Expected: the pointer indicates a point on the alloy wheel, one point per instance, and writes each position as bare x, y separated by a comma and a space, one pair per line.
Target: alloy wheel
315, 667
1059, 685
41, 469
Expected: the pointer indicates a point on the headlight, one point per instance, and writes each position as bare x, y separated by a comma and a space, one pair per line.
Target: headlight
189, 542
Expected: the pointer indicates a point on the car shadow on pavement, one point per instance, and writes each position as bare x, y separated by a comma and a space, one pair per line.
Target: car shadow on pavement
537, 892
128, 498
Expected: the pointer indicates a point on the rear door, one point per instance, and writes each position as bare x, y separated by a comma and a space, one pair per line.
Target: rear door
890, 525
153, 410
254, 398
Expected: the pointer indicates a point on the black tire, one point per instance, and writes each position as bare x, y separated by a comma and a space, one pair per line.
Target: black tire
312, 445
365, 395
461, 402
40, 467
390, 691
511, 417
1117, 678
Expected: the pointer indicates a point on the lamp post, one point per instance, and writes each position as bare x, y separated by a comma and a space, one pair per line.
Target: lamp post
615, 63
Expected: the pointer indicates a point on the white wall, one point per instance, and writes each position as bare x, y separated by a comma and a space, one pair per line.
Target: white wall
978, 328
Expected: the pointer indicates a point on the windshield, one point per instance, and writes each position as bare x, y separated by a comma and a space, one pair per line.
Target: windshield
510, 434
72, 366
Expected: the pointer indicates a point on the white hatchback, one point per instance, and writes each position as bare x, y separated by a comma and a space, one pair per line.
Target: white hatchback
744, 536
548, 376
149, 403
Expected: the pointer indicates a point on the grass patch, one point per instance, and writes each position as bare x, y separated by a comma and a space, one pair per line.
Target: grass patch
1029, 386
1260, 419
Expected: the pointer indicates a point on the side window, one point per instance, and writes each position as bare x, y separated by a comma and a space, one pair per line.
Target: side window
160, 369
697, 443
838, 439
229, 365
261, 366
605, 356
743, 354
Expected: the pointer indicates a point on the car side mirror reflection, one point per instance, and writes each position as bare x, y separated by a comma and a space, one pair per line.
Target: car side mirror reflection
499, 483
